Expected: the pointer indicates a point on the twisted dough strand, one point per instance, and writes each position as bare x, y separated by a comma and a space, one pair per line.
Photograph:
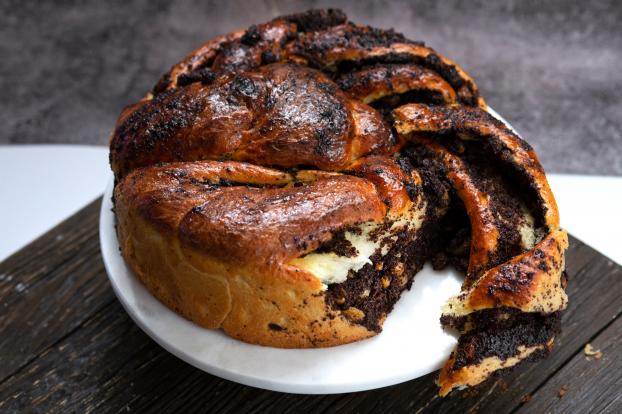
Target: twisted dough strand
269, 149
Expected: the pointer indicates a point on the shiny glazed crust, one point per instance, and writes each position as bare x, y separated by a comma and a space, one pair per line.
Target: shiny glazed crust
176, 240
247, 303
292, 139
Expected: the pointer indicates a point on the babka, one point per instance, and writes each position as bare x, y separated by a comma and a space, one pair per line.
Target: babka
285, 183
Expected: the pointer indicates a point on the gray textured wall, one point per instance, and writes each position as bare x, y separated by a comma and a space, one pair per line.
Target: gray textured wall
553, 69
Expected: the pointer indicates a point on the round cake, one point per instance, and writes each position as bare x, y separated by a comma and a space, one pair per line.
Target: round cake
285, 183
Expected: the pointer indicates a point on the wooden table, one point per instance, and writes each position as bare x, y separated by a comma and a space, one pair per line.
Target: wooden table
67, 345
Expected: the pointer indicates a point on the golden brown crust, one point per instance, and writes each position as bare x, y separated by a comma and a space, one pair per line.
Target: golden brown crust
262, 226
257, 155
471, 375
239, 50
389, 179
530, 282
246, 214
279, 114
212, 240
199, 57
371, 84
283, 307
355, 44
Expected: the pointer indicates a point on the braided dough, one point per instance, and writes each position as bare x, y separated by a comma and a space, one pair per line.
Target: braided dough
286, 182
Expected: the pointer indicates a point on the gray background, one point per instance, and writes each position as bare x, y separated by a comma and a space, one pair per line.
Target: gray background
551, 68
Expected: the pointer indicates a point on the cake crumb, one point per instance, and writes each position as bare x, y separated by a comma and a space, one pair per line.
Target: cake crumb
526, 398
503, 385
562, 391
591, 353
470, 393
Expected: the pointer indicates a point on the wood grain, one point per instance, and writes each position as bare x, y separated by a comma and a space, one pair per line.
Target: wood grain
48, 288
586, 384
67, 345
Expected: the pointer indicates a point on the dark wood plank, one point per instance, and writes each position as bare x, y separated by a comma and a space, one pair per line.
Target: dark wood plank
51, 286
95, 358
82, 372
585, 384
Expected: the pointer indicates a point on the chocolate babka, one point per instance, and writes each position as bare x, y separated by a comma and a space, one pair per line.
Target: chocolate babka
285, 183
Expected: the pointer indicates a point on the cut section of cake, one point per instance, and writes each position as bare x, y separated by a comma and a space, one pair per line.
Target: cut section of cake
508, 310
285, 183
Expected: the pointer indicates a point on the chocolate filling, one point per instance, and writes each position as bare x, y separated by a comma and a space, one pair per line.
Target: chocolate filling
505, 199
444, 238
454, 229
500, 332
375, 288
339, 245
369, 294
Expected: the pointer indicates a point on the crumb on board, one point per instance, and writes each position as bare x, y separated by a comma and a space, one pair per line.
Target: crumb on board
503, 385
591, 353
526, 398
562, 391
470, 393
